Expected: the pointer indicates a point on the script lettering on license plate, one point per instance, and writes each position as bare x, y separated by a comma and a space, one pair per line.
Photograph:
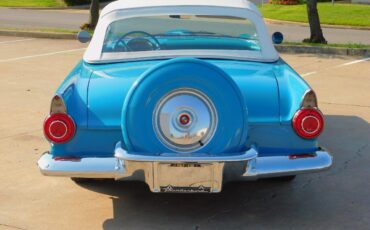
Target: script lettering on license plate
182, 189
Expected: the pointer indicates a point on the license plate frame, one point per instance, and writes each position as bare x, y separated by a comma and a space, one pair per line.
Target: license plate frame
187, 177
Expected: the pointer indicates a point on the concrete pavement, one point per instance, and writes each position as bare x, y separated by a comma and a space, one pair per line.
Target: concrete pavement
72, 19
42, 19
32, 69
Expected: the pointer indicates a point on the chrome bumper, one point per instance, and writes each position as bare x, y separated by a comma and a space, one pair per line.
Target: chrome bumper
265, 167
157, 171
84, 168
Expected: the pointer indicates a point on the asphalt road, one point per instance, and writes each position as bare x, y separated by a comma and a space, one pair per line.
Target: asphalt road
32, 69
72, 19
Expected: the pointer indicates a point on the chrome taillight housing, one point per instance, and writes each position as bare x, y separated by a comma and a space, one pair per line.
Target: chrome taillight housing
57, 105
308, 121
59, 127
309, 99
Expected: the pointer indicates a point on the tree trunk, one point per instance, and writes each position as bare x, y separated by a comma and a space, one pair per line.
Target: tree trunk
314, 21
94, 14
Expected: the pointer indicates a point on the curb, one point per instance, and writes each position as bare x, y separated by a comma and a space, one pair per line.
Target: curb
281, 22
83, 7
35, 34
322, 50
297, 49
78, 7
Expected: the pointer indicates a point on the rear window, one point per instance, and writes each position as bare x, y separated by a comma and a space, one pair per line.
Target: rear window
181, 32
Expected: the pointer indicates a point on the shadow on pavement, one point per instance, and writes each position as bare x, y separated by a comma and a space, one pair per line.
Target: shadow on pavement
314, 200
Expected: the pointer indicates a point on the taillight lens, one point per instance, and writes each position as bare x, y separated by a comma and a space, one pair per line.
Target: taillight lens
308, 122
59, 128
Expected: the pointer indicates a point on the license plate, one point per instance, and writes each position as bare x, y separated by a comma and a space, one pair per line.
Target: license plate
188, 177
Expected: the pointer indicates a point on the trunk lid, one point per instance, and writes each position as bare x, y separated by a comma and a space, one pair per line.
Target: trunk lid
110, 83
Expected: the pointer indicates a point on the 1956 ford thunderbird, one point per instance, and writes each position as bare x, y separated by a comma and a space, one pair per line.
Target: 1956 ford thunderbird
184, 95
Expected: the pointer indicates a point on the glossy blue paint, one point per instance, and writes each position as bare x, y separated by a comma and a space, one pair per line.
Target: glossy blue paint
291, 90
256, 80
89, 143
74, 92
159, 80
95, 94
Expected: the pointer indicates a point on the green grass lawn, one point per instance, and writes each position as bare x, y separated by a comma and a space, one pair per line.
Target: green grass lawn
65, 31
31, 3
348, 45
337, 14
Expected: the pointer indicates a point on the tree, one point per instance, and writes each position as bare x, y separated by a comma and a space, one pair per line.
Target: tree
94, 16
314, 21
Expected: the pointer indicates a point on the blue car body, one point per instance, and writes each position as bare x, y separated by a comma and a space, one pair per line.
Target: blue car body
183, 110
95, 94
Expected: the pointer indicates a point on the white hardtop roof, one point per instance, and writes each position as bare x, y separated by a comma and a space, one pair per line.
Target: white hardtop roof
133, 4
124, 9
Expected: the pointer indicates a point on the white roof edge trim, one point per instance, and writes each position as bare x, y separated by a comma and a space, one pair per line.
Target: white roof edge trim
268, 52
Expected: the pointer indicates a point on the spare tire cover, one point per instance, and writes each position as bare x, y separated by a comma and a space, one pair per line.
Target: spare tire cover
184, 105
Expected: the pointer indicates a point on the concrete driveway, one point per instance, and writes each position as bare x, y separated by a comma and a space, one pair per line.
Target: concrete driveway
32, 69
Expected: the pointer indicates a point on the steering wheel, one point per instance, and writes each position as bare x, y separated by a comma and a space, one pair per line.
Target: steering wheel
142, 43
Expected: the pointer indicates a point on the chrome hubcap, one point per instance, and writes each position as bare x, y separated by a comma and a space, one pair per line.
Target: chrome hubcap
185, 120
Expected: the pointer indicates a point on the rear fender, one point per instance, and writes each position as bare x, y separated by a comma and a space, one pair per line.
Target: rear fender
292, 88
73, 90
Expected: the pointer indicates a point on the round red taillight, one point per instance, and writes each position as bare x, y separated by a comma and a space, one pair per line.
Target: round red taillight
308, 123
59, 128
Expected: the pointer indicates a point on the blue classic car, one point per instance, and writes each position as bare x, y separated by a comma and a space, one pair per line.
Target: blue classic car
183, 95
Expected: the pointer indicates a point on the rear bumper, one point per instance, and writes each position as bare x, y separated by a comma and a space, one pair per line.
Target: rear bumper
84, 168
265, 167
247, 166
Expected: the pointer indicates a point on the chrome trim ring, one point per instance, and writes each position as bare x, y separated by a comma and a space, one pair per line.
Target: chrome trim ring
315, 118
185, 120
58, 122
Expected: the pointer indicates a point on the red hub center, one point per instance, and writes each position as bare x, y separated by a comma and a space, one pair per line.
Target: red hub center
184, 119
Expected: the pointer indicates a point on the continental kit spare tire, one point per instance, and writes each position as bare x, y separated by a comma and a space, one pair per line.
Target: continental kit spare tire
184, 106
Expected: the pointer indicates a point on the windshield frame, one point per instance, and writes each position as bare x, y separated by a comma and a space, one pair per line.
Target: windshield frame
95, 54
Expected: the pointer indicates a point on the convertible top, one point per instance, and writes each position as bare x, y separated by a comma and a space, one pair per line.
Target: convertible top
124, 9
133, 4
